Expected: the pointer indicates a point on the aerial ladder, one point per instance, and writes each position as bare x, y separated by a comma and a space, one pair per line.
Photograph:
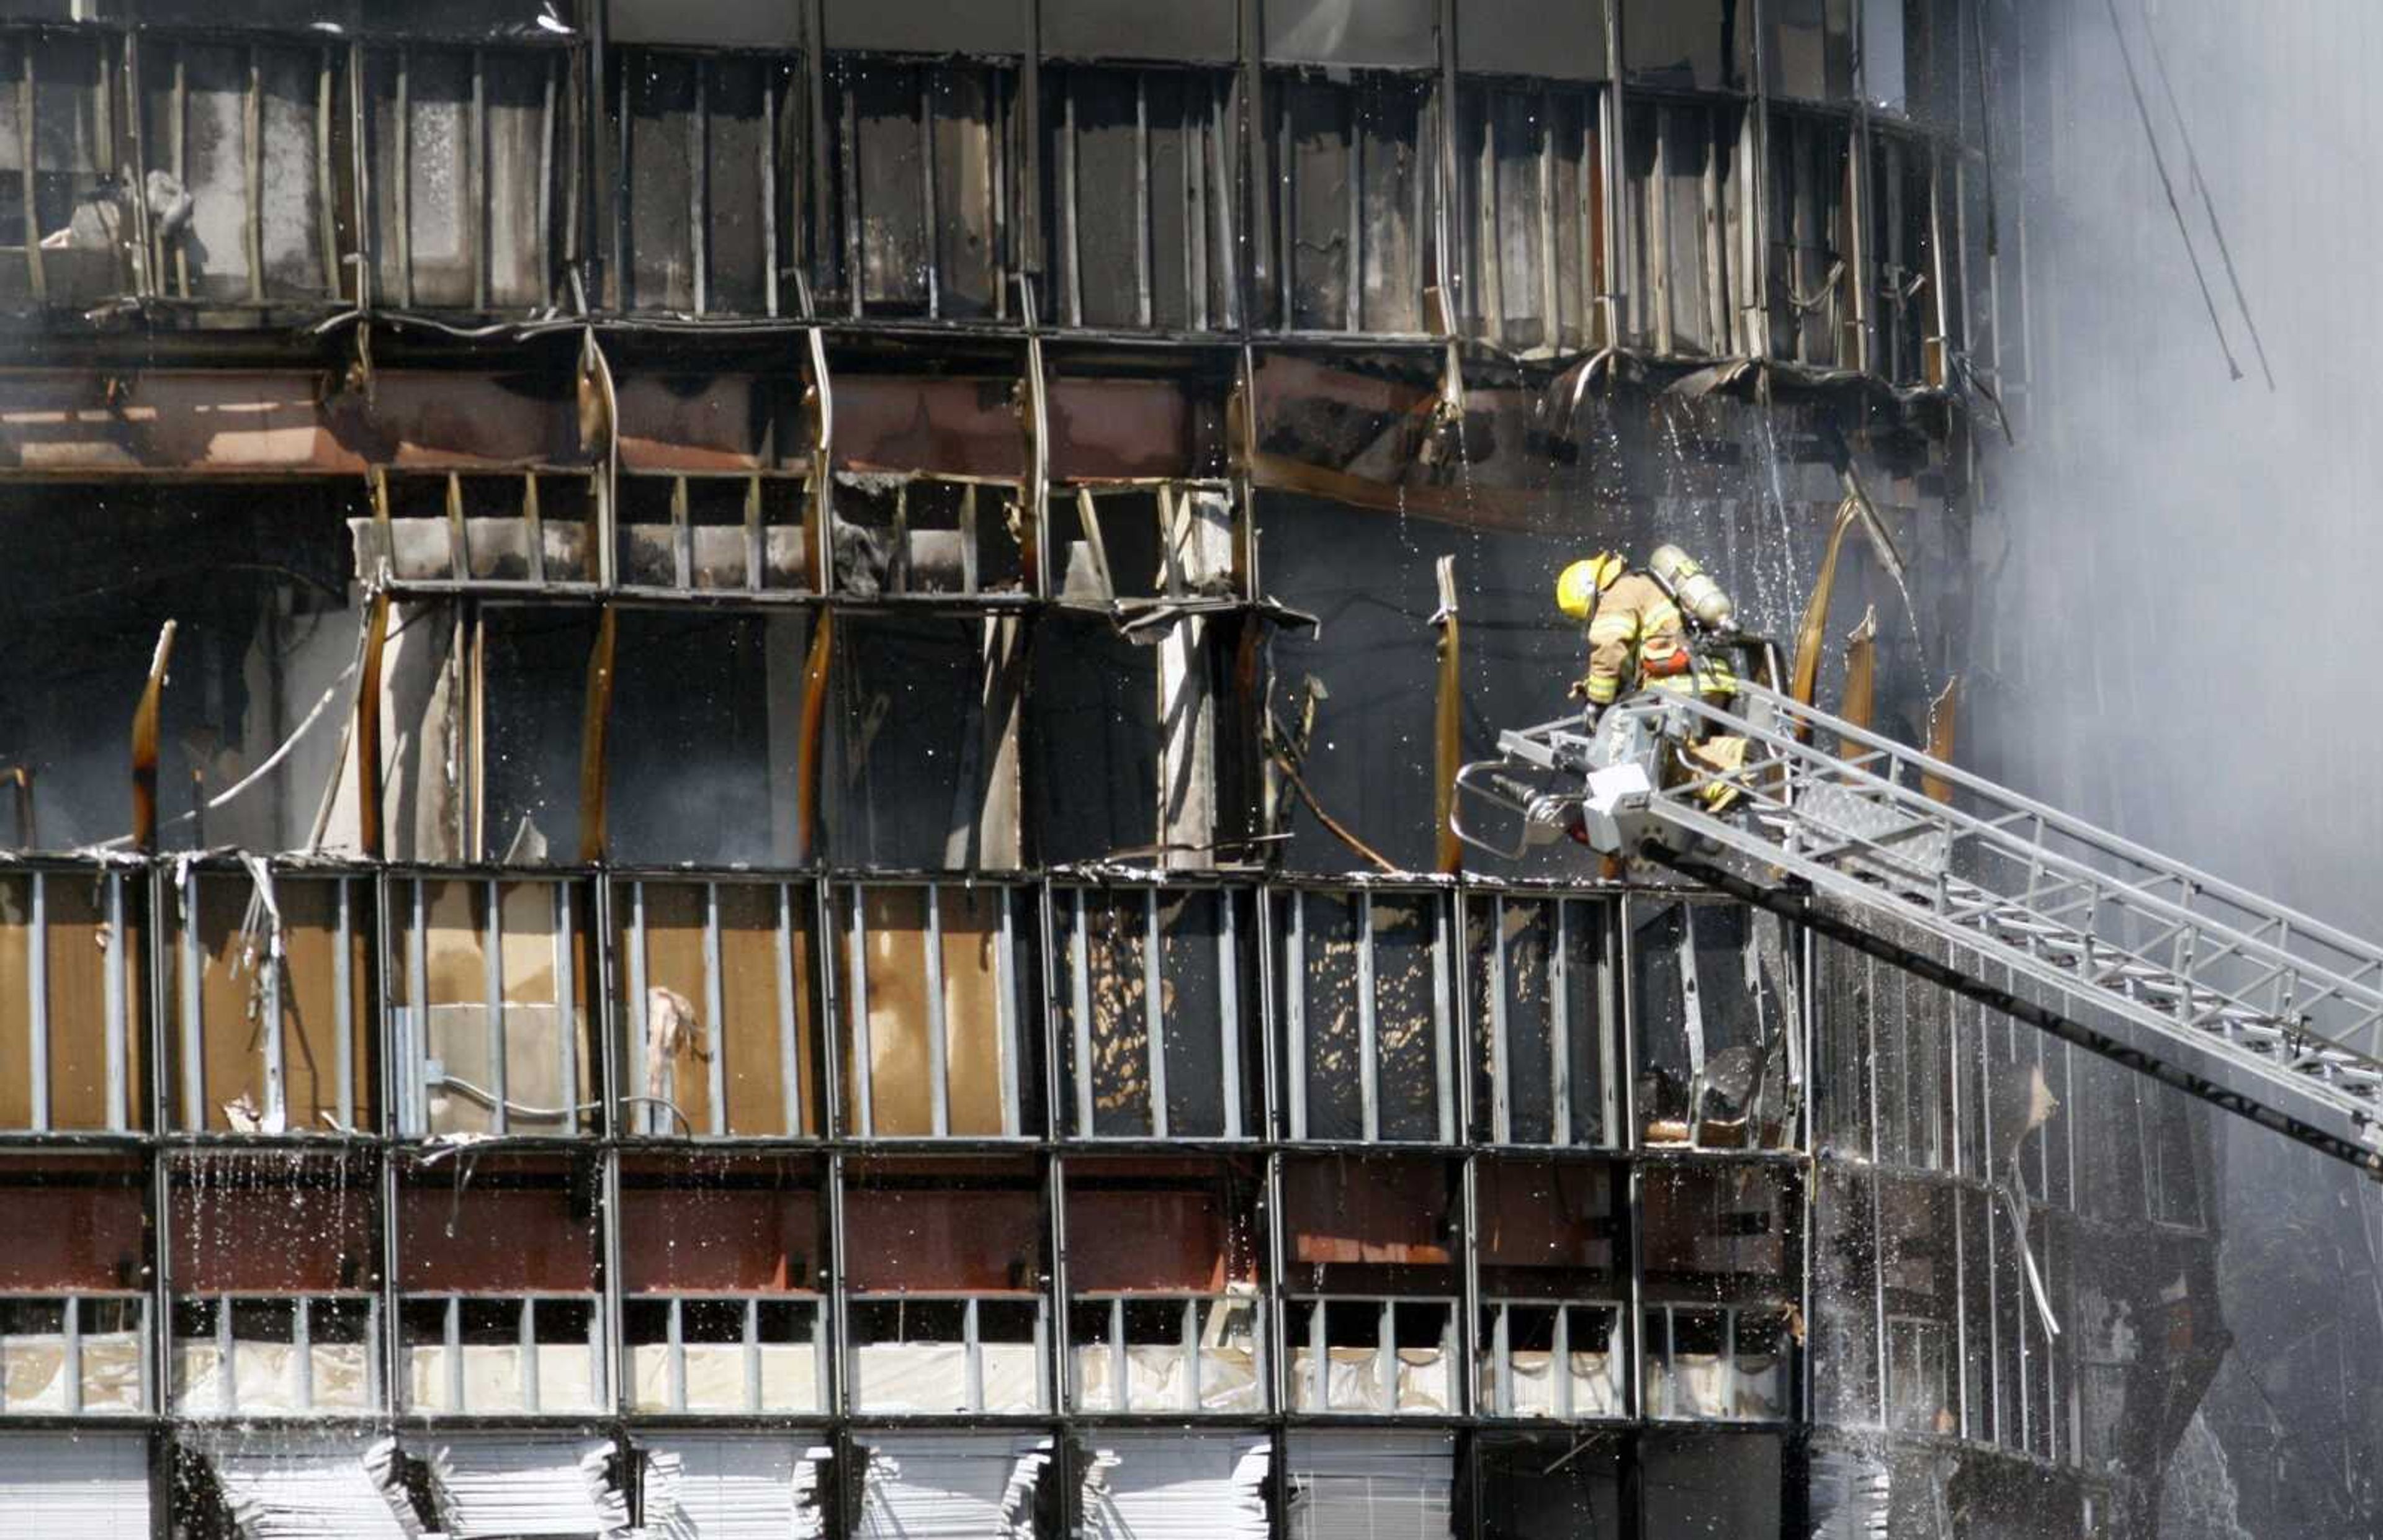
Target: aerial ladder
2172, 972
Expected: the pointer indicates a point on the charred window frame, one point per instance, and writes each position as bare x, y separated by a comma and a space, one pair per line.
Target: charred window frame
1353, 234
1363, 1013
922, 160
499, 1307
1371, 1284
1902, 263
718, 1008
724, 1277
74, 1005
1372, 1354
1167, 259
1714, 1014
1920, 1297
707, 208
272, 1003
1165, 1316
531, 531
471, 965
75, 1287
733, 532
470, 182
260, 133
1530, 215
1691, 283
274, 1286
1543, 990
1154, 987
939, 1048
1137, 545
1717, 1294
72, 1351
1564, 1358
65, 159
1818, 302
925, 537
1551, 1286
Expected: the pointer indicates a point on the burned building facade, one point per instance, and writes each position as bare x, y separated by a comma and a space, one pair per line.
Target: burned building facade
726, 734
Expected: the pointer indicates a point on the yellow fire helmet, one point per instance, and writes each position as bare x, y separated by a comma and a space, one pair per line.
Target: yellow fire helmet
1578, 586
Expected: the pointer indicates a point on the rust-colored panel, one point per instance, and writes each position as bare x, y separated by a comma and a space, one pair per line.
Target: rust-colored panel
749, 992
16, 1003
1118, 428
729, 422
230, 1057
310, 1002
1177, 1241
942, 1238
1546, 1213
77, 980
490, 1240
719, 1240
232, 1232
71, 1237
973, 1045
674, 961
956, 426
894, 969
1342, 1211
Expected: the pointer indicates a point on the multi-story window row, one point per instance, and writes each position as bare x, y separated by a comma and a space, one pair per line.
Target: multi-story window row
1804, 182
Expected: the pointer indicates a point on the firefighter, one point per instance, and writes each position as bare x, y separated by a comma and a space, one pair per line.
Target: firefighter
1637, 633
1638, 640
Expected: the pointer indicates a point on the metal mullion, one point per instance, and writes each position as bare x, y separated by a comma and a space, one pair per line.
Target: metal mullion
972, 1350
858, 974
1145, 256
769, 173
119, 1025
1070, 234
1501, 1069
1154, 1024
1319, 1388
790, 1063
1193, 131
302, 1349
1551, 330
1081, 1013
1369, 1112
194, 1114
29, 169
343, 1002
1560, 1020
1385, 1354
699, 197
675, 1356
1294, 1003
492, 942
37, 978
226, 1367
1193, 1365
525, 1335
751, 1354
1121, 1362
374, 1374
939, 1090
269, 1036
1228, 978
1561, 1351
714, 1006
640, 1025
252, 127
566, 1003
928, 198
1005, 1017
402, 195
1353, 299
475, 183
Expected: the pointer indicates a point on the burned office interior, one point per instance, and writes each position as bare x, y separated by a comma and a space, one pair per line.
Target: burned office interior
729, 737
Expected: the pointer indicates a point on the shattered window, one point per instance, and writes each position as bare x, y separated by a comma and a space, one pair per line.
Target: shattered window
922, 756
68, 230
719, 1028
496, 1313
1902, 259
1713, 1008
74, 1317
935, 982
722, 1269
258, 141
920, 158
1370, 1321
1696, 44
1812, 49
1551, 1332
1348, 215
1545, 1020
947, 1313
1531, 215
273, 1030
1144, 171
277, 1306
709, 215
1719, 1324
72, 1010
1365, 1015
1164, 1312
1155, 993
1690, 276
1813, 296
492, 989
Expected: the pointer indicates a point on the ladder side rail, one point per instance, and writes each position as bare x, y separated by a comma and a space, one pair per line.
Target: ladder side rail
1801, 763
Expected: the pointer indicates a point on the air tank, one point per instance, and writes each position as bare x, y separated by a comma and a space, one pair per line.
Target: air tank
1694, 587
